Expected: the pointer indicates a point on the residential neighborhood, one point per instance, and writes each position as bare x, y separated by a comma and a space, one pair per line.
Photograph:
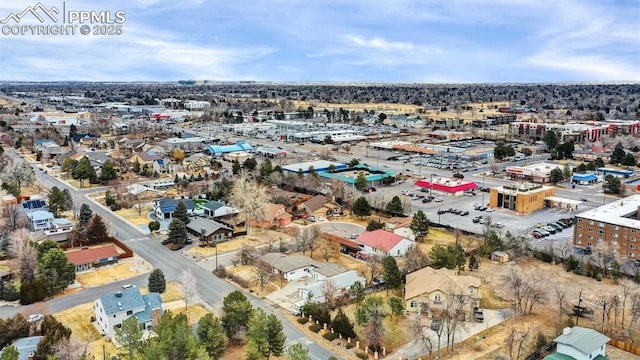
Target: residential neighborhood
376, 233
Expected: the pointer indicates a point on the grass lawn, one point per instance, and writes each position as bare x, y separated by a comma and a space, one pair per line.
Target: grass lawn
173, 292
78, 319
108, 274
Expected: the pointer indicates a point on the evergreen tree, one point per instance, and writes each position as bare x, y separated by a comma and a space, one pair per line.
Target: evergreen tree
32, 291
235, 167
85, 215
394, 207
108, 171
129, 335
10, 353
361, 207
237, 310
342, 325
177, 233
211, 335
157, 281
56, 201
275, 336
97, 231
53, 333
181, 212
391, 273
617, 155
84, 171
628, 160
266, 168
396, 305
419, 224
297, 352
137, 167
257, 335
56, 271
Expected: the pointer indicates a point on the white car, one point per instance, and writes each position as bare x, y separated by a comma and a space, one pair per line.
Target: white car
320, 218
489, 209
35, 318
438, 200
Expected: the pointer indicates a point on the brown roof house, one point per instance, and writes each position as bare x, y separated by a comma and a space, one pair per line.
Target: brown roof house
85, 259
436, 286
275, 215
145, 157
320, 205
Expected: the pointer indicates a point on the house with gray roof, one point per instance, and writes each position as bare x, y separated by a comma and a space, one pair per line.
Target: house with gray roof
210, 230
578, 343
26, 347
218, 209
110, 310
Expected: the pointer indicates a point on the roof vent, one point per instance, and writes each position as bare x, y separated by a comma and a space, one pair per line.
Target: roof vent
119, 304
566, 331
118, 293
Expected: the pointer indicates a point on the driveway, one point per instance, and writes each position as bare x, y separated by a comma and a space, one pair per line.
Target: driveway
467, 329
343, 229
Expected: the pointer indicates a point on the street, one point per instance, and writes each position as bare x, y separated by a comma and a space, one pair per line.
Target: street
211, 289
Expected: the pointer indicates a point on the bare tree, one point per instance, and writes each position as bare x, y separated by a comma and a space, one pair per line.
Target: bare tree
140, 207
454, 311
262, 276
331, 293
419, 327
69, 349
416, 259
189, 286
560, 300
19, 173
515, 342
374, 264
602, 256
327, 248
249, 197
635, 309
24, 253
627, 287
526, 291
13, 218
306, 238
247, 255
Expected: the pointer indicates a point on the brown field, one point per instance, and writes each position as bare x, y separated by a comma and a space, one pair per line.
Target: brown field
132, 216
126, 269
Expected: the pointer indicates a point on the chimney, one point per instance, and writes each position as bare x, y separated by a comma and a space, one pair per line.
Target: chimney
155, 316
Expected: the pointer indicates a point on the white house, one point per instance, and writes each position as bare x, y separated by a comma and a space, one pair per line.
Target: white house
384, 243
580, 344
217, 209
342, 282
289, 267
110, 310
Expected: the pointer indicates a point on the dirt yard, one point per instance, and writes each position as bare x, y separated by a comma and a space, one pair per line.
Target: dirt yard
249, 273
124, 269
257, 238
134, 217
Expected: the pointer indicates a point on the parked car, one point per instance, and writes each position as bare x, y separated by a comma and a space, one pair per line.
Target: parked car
435, 324
464, 213
437, 199
555, 226
536, 234
311, 218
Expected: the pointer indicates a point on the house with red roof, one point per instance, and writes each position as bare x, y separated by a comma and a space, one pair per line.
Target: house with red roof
384, 243
88, 258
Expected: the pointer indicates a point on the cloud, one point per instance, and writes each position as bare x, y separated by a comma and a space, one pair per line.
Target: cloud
380, 44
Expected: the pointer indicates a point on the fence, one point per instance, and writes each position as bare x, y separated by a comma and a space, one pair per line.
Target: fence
127, 251
625, 346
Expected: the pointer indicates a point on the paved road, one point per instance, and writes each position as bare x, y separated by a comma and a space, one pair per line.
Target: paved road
211, 289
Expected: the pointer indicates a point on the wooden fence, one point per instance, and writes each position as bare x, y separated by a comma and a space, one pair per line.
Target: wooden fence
625, 346
127, 251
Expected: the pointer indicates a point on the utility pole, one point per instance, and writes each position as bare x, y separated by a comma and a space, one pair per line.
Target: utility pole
579, 308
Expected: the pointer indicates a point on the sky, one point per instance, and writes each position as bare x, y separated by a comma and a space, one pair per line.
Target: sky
431, 41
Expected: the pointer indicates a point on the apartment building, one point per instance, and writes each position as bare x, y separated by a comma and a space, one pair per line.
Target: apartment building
616, 225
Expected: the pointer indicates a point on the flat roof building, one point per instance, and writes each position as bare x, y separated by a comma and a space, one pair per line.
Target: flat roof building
522, 198
455, 187
537, 173
616, 224
318, 166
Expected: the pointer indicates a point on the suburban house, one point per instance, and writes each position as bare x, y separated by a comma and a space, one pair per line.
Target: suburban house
434, 286
276, 214
195, 162
40, 219
320, 205
289, 267
110, 310
384, 243
145, 157
26, 347
401, 226
165, 207
86, 259
311, 275
164, 166
578, 343
212, 231
218, 209
341, 278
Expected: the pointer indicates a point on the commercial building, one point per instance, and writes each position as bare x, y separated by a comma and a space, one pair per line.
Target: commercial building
616, 225
318, 166
619, 173
453, 187
536, 173
523, 198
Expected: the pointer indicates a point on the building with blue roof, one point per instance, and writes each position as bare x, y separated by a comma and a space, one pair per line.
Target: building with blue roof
217, 150
374, 176
585, 178
620, 173
165, 207
110, 310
